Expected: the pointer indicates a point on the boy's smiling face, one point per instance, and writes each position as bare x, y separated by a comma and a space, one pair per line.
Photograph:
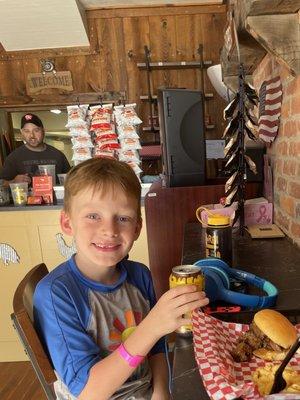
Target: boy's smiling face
104, 225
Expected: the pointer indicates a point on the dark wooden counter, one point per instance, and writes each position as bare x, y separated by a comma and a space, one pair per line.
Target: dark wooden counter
167, 211
277, 260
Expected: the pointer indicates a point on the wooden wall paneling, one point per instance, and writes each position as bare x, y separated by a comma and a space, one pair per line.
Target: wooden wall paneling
7, 82
186, 50
148, 11
200, 38
77, 66
17, 74
29, 66
112, 54
94, 70
163, 48
136, 36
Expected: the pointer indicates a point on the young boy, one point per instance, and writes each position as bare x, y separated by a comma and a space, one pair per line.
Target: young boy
96, 313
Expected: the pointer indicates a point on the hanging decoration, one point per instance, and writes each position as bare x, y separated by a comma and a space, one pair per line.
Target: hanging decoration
270, 98
8, 254
241, 114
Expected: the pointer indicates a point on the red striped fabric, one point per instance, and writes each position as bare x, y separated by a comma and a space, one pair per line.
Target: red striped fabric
270, 99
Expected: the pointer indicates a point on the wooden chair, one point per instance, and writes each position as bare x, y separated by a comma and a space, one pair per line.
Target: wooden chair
22, 318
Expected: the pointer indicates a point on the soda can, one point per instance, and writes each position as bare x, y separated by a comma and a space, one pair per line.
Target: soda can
187, 275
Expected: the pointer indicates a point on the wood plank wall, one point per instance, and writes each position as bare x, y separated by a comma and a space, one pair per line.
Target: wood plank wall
171, 33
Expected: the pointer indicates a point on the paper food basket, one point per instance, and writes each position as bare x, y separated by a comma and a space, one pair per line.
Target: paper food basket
223, 378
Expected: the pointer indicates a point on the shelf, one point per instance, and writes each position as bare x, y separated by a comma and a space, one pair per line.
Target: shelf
155, 143
146, 97
149, 129
208, 96
150, 152
175, 65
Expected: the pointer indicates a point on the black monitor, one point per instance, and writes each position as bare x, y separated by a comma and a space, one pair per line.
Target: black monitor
181, 120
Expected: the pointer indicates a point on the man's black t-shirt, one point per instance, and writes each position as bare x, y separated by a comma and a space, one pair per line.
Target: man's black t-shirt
24, 161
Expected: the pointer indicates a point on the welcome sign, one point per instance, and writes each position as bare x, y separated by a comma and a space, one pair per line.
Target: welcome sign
60, 80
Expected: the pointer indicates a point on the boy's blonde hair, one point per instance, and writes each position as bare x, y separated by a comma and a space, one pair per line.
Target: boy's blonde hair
102, 174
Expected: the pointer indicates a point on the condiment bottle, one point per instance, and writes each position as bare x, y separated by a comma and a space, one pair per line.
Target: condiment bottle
218, 237
4, 194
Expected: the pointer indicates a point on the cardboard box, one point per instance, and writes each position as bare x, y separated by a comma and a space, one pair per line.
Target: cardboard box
258, 214
265, 231
43, 186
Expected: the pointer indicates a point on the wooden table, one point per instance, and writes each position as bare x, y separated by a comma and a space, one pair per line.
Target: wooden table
277, 260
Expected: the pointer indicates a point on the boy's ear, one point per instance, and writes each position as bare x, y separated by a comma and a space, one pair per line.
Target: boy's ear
65, 223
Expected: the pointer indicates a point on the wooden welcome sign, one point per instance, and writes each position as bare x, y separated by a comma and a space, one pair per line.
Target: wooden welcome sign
60, 80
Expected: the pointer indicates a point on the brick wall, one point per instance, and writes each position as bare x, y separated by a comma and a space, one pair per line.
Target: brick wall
285, 150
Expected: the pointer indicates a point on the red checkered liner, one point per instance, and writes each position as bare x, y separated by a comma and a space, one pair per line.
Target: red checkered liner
223, 378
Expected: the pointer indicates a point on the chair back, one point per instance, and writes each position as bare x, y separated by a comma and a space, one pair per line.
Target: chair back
22, 318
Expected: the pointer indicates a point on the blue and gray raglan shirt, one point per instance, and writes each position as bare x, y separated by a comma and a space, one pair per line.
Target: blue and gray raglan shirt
81, 321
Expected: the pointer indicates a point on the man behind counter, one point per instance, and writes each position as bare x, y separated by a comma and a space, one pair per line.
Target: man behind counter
23, 162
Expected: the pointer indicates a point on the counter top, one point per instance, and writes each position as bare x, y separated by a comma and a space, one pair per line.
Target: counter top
32, 208
59, 204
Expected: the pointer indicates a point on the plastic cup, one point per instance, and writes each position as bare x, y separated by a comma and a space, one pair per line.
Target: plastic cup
48, 169
61, 178
19, 193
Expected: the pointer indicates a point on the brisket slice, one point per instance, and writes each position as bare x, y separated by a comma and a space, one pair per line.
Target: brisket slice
252, 340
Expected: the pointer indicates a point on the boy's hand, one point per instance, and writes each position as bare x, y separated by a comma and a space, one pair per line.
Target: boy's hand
167, 315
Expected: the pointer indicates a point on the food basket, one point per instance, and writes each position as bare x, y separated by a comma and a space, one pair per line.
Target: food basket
223, 378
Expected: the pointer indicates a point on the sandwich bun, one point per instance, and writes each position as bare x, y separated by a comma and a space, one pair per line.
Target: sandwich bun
278, 329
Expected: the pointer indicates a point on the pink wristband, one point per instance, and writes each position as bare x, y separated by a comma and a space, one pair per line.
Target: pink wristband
132, 361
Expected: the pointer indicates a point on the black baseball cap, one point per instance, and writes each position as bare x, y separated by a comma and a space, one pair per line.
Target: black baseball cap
32, 119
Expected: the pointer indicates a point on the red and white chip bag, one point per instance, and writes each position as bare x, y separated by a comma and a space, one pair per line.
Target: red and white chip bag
101, 115
76, 115
129, 155
81, 154
130, 143
108, 145
127, 131
80, 130
81, 141
126, 115
109, 153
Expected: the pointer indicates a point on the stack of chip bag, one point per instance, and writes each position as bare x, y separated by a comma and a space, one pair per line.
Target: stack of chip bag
79, 130
103, 131
127, 122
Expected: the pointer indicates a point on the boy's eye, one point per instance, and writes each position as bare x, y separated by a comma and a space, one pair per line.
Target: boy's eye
93, 216
124, 219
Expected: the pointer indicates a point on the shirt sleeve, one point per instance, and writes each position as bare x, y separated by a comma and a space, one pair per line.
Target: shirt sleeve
66, 165
61, 326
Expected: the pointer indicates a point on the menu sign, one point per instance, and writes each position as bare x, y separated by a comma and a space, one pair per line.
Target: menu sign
39, 81
42, 186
